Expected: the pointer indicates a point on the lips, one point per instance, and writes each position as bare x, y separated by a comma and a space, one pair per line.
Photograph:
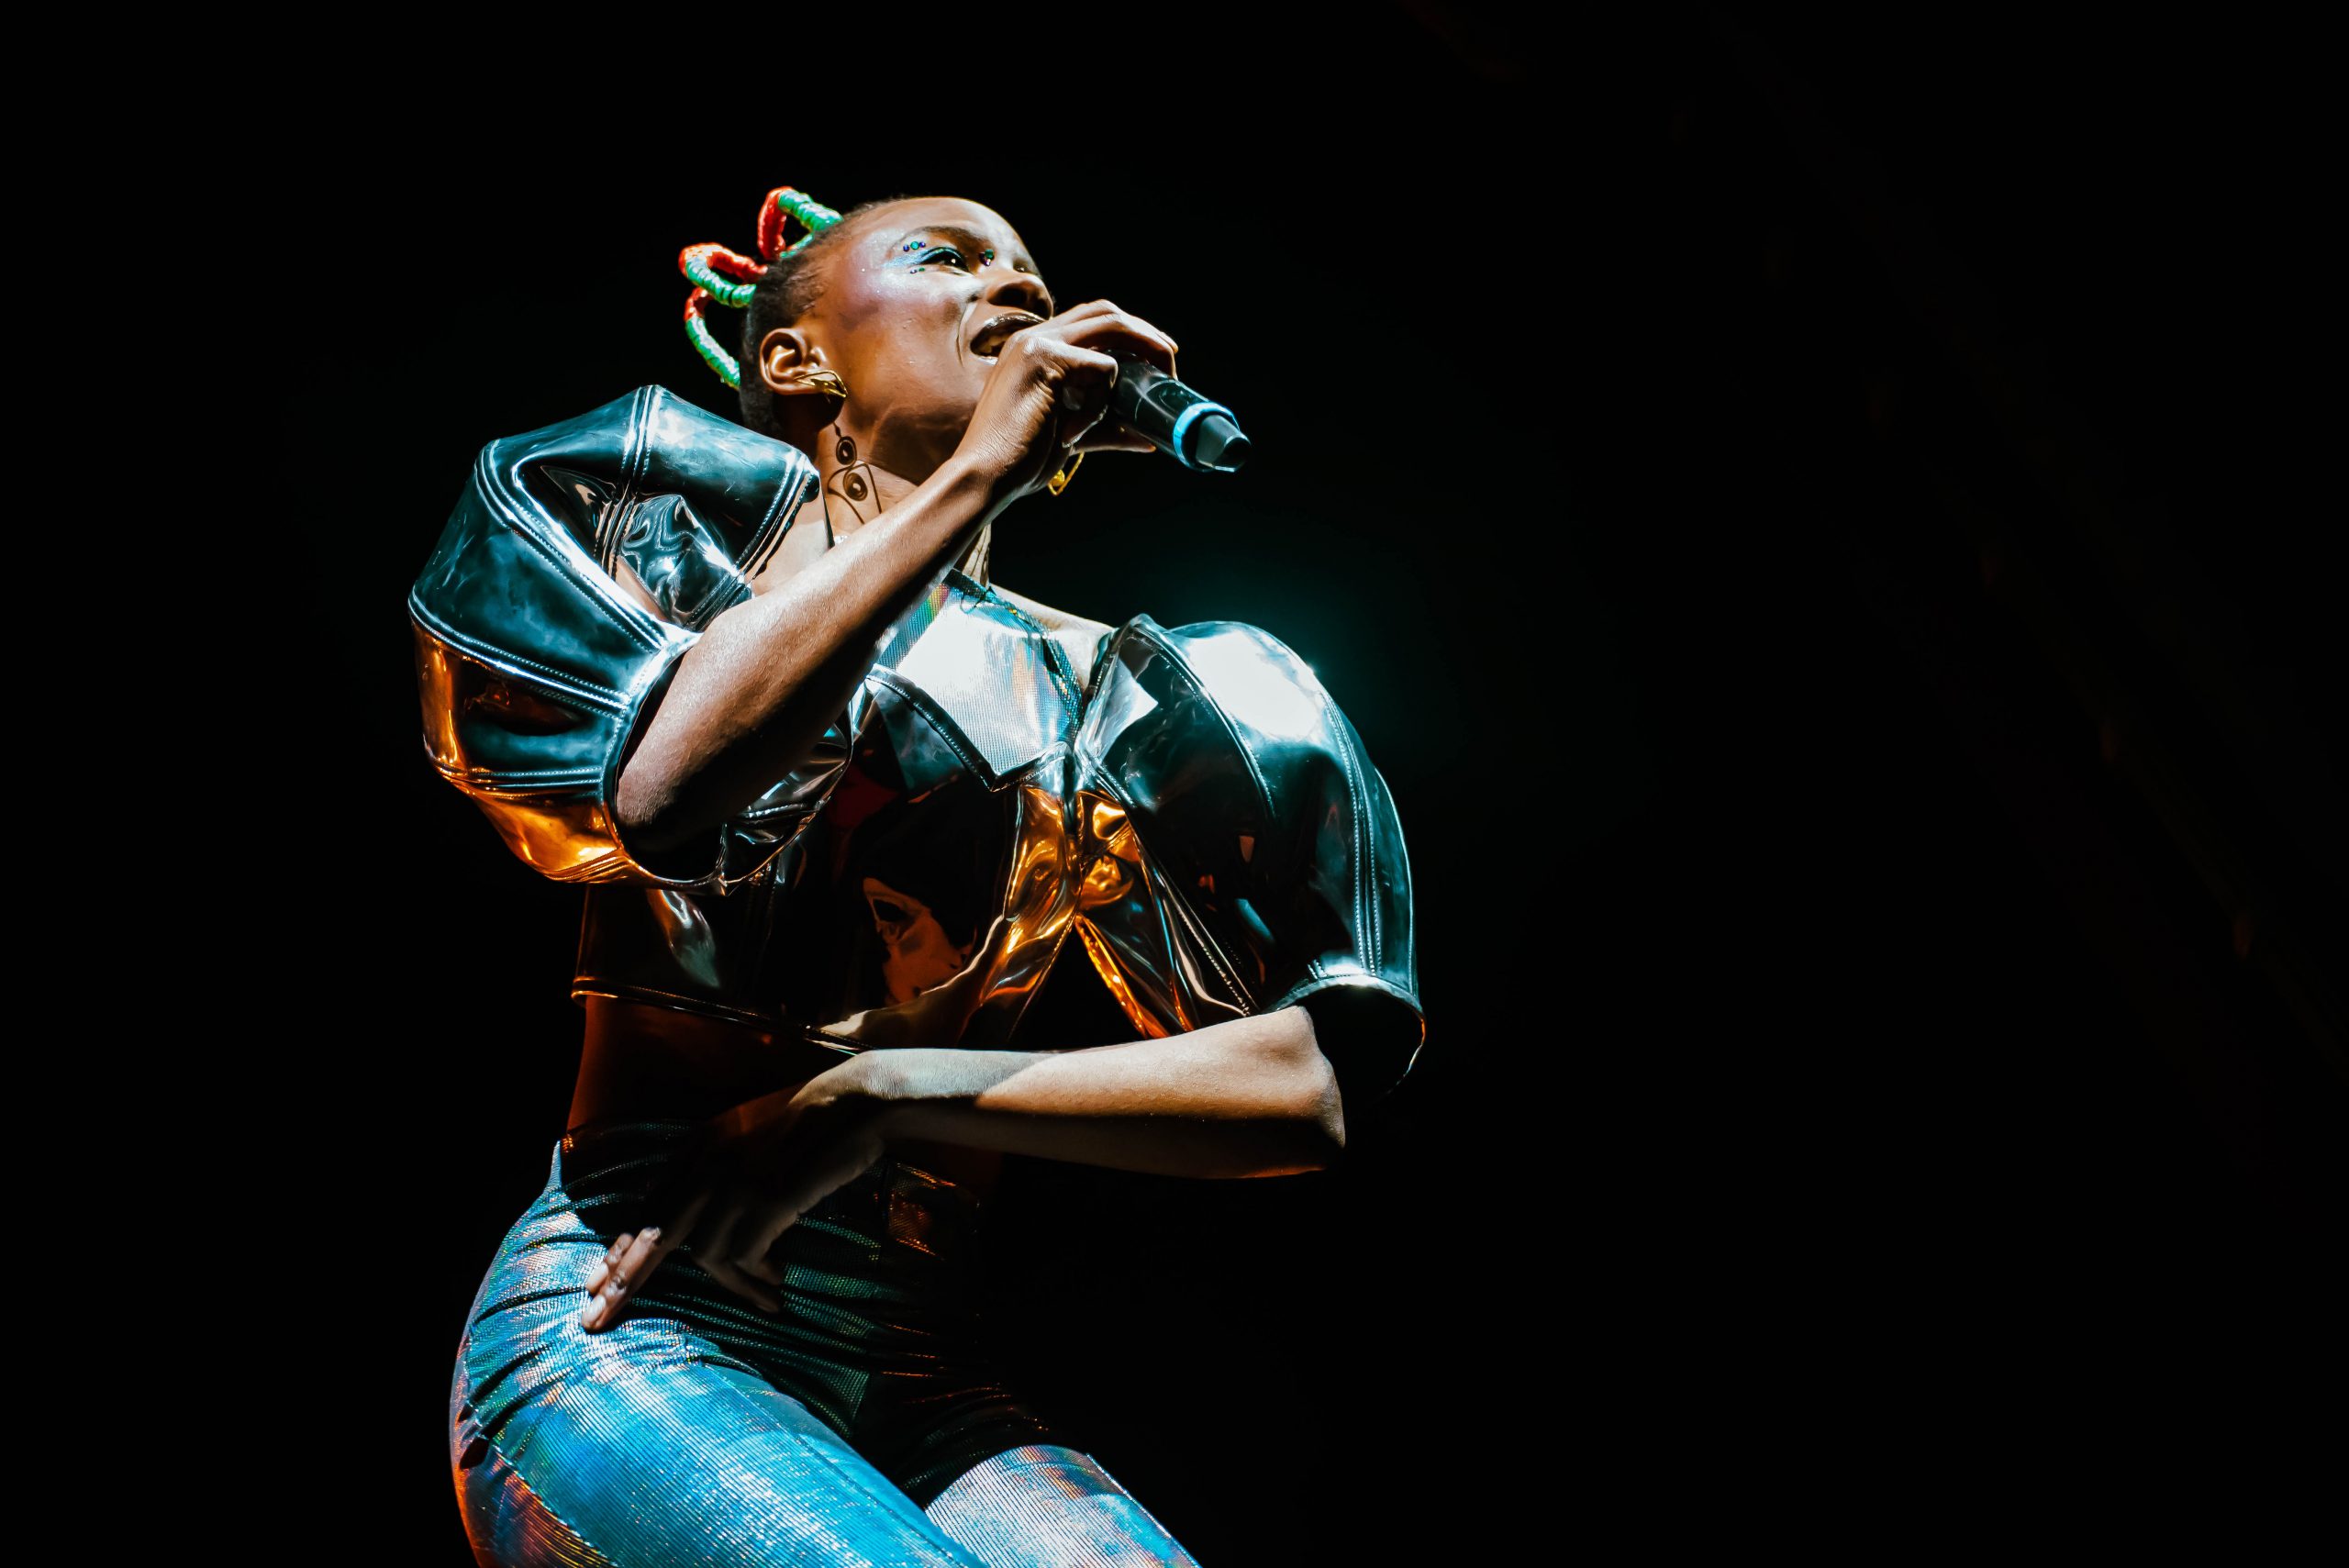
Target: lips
989, 340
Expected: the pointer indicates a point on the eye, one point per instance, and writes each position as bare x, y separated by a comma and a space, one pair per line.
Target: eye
954, 258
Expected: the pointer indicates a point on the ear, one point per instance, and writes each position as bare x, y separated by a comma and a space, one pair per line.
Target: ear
785, 356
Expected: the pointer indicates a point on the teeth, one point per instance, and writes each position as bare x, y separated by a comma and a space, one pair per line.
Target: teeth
995, 333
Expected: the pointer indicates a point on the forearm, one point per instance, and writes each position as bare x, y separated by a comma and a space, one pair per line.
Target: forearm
1252, 1097
752, 697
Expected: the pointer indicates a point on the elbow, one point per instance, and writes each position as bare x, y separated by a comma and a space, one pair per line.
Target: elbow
644, 811
1316, 1121
1326, 1125
1326, 1131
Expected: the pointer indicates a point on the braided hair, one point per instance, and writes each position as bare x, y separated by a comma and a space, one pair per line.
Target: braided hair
771, 293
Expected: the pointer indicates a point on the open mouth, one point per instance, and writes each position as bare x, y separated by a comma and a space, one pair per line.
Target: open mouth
988, 342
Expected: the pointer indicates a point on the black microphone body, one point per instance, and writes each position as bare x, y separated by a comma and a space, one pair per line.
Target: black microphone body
1189, 428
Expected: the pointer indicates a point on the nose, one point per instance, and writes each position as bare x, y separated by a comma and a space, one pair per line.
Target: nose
1006, 285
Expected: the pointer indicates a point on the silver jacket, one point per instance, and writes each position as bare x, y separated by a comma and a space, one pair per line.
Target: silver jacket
1203, 816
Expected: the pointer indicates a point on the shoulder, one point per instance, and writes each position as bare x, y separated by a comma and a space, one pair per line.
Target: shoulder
1171, 700
1258, 683
651, 441
1226, 678
677, 504
1260, 811
1253, 675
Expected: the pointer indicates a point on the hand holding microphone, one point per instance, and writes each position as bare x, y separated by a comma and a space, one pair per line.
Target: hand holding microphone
1091, 378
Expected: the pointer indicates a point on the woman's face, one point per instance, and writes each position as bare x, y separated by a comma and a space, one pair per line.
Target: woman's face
907, 318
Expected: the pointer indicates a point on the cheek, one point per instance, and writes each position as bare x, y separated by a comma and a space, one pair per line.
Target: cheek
927, 362
900, 347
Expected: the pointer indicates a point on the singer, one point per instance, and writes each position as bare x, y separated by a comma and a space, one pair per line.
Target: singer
838, 800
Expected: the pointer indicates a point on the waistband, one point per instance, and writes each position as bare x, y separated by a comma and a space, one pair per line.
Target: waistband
638, 1156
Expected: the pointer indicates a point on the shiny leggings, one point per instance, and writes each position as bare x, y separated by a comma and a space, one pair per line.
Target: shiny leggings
860, 1426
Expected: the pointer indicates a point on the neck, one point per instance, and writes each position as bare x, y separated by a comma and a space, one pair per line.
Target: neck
857, 490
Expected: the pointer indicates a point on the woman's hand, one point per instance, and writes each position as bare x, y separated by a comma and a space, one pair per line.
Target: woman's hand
774, 1159
1049, 389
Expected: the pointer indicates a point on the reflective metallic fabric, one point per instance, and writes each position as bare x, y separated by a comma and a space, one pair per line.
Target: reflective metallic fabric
1202, 817
579, 565
701, 1430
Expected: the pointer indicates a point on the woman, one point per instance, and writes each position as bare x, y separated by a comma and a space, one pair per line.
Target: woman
838, 801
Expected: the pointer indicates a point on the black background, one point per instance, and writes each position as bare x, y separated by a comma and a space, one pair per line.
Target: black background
1843, 1090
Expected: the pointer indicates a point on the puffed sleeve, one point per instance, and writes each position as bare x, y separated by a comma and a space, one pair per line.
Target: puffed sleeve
581, 561
1276, 868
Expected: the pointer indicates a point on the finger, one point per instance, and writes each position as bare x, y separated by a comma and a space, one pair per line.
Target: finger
622, 1280
640, 1256
750, 1256
1121, 329
611, 1258
1079, 418
1094, 311
1087, 311
1083, 375
605, 1264
1072, 430
714, 1250
749, 1230
1107, 436
1086, 379
790, 1198
715, 1241
608, 1262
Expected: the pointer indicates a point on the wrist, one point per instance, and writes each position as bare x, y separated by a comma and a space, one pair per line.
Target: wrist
985, 476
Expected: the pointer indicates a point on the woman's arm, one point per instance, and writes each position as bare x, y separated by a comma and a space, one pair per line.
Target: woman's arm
752, 697
1256, 1096
1252, 1097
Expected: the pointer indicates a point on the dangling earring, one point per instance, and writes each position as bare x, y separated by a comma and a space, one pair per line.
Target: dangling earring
851, 481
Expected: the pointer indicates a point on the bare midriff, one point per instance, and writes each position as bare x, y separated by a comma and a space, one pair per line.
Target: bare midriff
642, 1063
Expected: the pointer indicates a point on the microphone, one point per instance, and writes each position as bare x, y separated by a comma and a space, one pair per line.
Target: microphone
1185, 425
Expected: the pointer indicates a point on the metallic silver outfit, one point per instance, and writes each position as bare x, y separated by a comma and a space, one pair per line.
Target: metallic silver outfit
1202, 816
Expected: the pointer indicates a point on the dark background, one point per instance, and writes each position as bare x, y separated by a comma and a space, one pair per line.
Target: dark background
1805, 521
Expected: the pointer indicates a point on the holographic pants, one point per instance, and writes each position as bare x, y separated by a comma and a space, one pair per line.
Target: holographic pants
860, 1426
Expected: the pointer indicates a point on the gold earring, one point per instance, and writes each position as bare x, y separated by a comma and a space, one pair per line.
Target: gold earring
1066, 472
826, 383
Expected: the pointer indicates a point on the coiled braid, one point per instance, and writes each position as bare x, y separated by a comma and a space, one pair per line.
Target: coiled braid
731, 278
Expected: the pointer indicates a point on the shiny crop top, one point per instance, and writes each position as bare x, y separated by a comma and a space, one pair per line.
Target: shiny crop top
1202, 817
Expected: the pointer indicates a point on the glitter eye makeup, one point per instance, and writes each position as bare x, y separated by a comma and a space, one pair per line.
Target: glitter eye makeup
921, 241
